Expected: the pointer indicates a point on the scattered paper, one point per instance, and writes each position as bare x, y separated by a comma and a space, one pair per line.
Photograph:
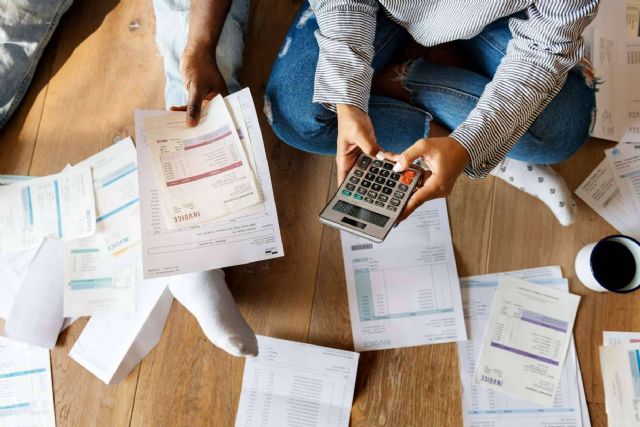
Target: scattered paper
60, 206
482, 406
620, 366
13, 268
612, 338
26, 394
297, 384
526, 340
240, 238
624, 160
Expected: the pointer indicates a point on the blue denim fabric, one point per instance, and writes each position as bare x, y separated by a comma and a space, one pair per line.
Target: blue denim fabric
447, 93
25, 29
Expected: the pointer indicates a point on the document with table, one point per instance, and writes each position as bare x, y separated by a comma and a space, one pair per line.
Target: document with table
526, 340
291, 384
405, 291
482, 406
247, 235
620, 364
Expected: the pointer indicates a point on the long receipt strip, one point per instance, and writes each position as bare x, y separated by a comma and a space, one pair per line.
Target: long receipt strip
247, 236
485, 407
620, 364
405, 291
26, 393
292, 384
59, 206
526, 341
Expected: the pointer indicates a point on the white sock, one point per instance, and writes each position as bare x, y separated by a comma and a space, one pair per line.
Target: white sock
207, 297
540, 181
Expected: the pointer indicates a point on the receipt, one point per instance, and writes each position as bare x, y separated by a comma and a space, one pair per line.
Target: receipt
60, 206
620, 365
613, 337
526, 340
624, 160
202, 172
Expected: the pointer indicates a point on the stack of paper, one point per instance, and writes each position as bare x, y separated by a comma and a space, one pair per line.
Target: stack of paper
494, 405
216, 172
620, 365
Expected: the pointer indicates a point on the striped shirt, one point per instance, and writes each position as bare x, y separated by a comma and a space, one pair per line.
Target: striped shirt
544, 47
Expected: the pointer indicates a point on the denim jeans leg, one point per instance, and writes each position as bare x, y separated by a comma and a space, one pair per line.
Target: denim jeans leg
25, 29
172, 30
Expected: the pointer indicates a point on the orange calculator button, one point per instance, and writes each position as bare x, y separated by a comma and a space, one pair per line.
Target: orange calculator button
406, 180
410, 174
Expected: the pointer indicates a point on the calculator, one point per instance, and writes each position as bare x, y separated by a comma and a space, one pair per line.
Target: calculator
371, 198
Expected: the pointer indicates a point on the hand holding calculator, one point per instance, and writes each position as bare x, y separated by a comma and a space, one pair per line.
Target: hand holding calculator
371, 198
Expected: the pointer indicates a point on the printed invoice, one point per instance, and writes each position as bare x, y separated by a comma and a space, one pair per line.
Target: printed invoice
190, 162
620, 366
246, 236
526, 340
624, 160
405, 291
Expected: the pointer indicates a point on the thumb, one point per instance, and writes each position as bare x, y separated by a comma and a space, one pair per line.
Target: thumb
410, 154
194, 106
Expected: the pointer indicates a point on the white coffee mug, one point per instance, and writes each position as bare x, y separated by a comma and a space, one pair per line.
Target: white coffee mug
585, 269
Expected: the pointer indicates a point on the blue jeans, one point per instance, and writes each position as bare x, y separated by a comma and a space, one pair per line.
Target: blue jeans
446, 94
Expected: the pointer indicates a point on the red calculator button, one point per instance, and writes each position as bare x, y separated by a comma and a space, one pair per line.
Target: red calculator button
406, 180
410, 174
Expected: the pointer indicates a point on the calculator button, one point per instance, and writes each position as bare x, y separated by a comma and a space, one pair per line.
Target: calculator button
380, 180
364, 162
395, 176
357, 196
377, 163
362, 190
406, 180
384, 173
394, 202
346, 193
368, 200
398, 194
392, 208
403, 187
370, 176
354, 180
372, 194
358, 172
387, 190
374, 170
366, 184
387, 166
383, 198
391, 183
376, 187
380, 204
350, 187
410, 174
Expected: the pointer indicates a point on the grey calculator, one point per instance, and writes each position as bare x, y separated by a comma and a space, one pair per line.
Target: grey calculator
371, 198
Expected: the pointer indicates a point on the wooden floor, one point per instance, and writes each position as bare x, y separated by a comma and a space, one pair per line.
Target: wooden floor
100, 65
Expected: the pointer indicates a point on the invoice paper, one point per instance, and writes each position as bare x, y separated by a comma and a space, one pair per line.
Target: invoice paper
13, 268
291, 384
624, 160
246, 236
202, 172
613, 337
26, 394
59, 206
485, 407
526, 340
115, 184
601, 192
405, 291
620, 366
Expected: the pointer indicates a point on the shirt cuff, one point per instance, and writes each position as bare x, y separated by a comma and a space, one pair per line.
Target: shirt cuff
479, 147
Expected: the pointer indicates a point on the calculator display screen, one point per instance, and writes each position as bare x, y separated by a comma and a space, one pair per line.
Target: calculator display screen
361, 213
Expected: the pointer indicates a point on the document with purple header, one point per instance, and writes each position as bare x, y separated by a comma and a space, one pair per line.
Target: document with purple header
526, 342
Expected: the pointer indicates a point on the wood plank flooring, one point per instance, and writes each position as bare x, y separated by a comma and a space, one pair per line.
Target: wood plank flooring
98, 68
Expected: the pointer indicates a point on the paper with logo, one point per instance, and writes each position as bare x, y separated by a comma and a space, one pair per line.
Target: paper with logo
526, 341
202, 172
620, 366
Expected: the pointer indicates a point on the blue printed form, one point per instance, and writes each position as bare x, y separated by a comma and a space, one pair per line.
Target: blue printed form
526, 340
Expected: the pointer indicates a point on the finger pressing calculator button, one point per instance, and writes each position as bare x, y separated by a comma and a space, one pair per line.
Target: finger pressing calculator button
380, 180
374, 170
372, 194
377, 163
392, 208
384, 173
357, 196
387, 166
376, 187
346, 193
383, 198
364, 161
368, 200
395, 176
350, 187
391, 183
380, 204
406, 180
387, 190
403, 187
370, 176
358, 172
398, 194
354, 180
366, 184
410, 173
394, 202
362, 190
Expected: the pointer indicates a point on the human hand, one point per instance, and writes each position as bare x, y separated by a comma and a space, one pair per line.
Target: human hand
355, 136
446, 158
202, 78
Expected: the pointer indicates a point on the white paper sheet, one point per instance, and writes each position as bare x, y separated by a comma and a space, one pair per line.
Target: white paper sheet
624, 160
620, 366
614, 337
297, 384
230, 241
111, 346
405, 291
13, 268
526, 340
60, 206
36, 315
26, 394
194, 166
484, 407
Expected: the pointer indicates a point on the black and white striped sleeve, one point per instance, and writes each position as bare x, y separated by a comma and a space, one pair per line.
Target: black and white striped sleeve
543, 49
345, 39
